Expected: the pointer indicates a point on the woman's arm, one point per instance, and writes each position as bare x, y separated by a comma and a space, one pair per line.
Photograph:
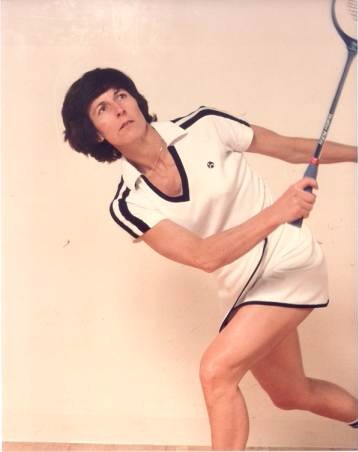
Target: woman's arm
298, 150
211, 253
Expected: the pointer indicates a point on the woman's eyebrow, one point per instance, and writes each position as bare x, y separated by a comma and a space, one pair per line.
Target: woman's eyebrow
96, 106
117, 90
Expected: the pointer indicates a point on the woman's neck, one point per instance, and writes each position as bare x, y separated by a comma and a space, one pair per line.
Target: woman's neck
145, 152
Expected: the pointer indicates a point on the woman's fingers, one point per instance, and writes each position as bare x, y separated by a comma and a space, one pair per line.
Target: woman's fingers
306, 182
296, 202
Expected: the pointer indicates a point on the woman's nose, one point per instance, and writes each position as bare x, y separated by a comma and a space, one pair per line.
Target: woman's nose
119, 110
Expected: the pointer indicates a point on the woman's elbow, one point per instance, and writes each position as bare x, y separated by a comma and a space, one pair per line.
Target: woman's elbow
208, 267
206, 263
197, 254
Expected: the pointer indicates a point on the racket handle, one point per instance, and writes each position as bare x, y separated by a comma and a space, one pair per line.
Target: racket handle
311, 171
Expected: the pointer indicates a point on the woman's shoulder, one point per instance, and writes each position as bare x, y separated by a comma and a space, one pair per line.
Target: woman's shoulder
206, 114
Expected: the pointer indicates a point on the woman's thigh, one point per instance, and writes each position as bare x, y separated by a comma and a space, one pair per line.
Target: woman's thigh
281, 373
252, 334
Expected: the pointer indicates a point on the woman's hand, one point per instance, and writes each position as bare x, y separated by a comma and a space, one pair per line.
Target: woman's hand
295, 202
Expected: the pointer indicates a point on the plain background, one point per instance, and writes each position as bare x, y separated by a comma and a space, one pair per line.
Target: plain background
101, 337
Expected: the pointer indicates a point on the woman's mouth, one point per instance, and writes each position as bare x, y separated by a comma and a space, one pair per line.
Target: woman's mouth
125, 124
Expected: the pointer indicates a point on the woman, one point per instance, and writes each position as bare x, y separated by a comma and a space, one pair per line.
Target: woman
187, 191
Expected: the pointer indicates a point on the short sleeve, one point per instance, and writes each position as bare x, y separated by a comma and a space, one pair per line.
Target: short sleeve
233, 132
133, 215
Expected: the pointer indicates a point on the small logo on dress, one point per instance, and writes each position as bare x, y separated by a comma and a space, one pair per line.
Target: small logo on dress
210, 164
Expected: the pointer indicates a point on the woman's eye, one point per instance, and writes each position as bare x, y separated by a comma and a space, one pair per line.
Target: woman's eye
121, 95
101, 109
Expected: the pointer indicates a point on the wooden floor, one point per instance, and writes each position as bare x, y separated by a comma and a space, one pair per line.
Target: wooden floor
61, 447
56, 447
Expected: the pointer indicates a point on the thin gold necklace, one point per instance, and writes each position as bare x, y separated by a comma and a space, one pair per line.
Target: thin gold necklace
157, 161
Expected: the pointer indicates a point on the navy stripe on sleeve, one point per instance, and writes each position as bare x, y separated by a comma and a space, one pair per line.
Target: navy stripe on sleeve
121, 200
123, 207
122, 225
207, 112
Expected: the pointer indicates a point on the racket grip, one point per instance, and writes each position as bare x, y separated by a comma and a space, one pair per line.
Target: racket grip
311, 171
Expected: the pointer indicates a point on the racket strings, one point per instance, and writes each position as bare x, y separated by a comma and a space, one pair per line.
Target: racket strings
352, 8
345, 12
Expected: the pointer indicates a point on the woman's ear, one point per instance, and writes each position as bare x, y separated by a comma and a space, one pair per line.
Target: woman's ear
99, 138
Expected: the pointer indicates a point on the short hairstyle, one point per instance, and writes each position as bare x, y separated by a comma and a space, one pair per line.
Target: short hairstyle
79, 129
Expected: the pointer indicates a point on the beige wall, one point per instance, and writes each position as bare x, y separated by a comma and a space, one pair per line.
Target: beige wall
102, 338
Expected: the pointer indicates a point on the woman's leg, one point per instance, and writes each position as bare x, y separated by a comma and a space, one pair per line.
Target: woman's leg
251, 335
282, 376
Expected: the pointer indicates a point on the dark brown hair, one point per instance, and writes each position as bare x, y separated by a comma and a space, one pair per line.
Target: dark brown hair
79, 129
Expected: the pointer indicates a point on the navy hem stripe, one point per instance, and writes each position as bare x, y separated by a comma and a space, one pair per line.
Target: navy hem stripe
270, 303
207, 112
284, 305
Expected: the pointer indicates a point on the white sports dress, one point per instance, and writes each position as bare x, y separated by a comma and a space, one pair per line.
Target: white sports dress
220, 190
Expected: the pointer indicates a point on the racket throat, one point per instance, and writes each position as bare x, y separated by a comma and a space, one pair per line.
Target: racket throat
311, 170
314, 161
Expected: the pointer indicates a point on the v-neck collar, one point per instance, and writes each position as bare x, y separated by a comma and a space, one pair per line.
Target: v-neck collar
171, 133
184, 196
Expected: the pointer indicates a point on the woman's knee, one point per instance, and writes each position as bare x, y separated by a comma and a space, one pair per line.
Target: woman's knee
218, 372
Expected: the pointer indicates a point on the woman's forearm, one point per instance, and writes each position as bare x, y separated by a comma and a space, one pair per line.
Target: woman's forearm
331, 152
181, 245
227, 246
298, 150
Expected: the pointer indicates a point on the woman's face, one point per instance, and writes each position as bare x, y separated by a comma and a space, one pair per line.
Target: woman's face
117, 118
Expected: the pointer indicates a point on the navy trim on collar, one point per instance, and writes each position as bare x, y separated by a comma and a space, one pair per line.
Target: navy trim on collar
185, 196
